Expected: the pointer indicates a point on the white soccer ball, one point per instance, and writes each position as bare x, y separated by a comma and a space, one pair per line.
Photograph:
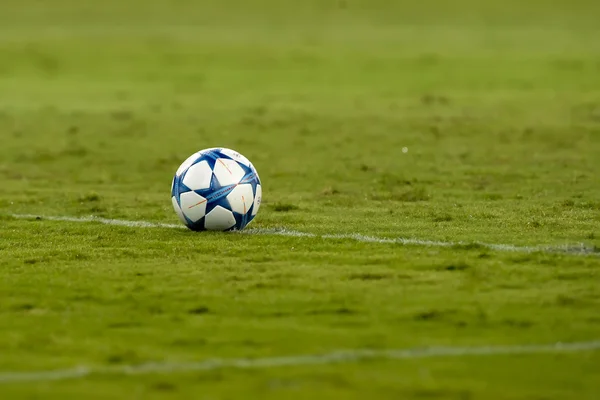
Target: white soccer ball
216, 189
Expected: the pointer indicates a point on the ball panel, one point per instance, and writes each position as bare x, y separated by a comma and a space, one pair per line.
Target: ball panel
193, 205
257, 177
235, 156
219, 219
257, 200
210, 156
228, 172
197, 226
178, 210
241, 199
241, 220
187, 163
198, 176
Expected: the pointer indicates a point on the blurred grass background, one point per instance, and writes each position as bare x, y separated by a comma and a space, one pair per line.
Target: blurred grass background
494, 100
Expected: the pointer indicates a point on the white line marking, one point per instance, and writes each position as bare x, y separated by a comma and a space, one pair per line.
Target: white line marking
329, 358
576, 249
118, 222
336, 357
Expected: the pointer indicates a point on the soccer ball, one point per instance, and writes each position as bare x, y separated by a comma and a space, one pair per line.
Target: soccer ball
216, 189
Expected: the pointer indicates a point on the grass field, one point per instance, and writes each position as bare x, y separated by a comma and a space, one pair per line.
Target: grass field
496, 103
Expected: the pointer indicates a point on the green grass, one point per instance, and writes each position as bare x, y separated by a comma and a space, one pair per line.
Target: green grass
498, 104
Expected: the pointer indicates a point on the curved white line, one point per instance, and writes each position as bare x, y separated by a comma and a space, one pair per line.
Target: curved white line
298, 360
574, 249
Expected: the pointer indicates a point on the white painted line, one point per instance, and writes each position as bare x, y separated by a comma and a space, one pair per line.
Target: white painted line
576, 249
106, 221
337, 357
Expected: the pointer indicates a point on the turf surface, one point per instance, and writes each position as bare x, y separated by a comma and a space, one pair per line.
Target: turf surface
497, 105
